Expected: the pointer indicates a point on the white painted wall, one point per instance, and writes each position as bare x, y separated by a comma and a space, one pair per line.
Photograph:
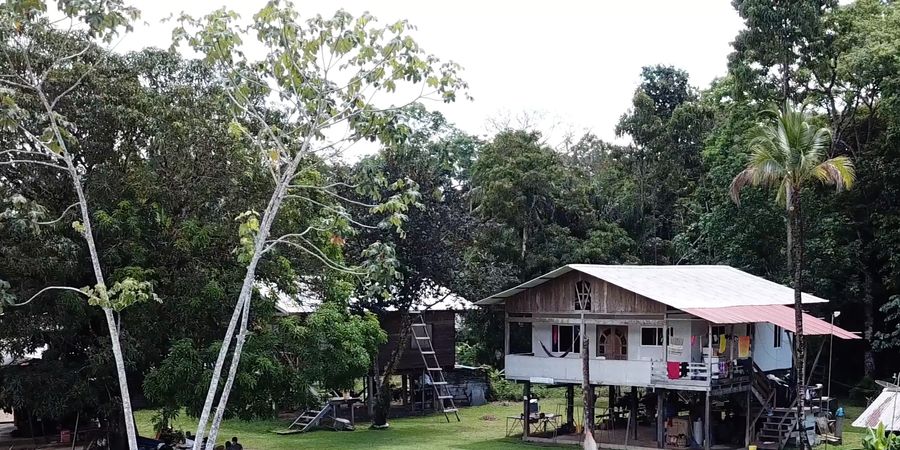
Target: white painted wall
569, 370
766, 356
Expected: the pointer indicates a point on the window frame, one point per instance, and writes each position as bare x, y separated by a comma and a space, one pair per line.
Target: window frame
659, 336
556, 334
777, 337
583, 293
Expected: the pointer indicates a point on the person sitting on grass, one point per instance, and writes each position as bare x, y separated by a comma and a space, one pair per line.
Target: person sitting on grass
235, 445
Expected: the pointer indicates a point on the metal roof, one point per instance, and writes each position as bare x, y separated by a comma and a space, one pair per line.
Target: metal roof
678, 286
780, 315
885, 409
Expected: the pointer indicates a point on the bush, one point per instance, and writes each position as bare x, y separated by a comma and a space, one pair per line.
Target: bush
505, 390
878, 439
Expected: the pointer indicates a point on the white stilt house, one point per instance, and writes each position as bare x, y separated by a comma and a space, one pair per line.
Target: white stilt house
710, 330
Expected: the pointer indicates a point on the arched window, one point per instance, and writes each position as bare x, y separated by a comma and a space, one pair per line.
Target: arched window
582, 296
612, 342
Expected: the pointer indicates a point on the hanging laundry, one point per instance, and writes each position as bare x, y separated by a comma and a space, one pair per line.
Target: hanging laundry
722, 343
744, 347
673, 368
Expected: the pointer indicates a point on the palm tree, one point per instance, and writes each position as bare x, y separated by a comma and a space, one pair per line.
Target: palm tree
788, 152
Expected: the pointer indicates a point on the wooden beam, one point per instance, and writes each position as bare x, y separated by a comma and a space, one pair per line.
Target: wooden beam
570, 405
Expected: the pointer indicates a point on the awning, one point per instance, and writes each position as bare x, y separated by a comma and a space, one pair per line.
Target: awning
780, 315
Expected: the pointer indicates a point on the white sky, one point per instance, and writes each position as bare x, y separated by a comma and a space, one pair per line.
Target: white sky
572, 64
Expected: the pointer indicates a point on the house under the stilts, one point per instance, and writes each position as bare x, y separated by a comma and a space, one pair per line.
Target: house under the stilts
695, 346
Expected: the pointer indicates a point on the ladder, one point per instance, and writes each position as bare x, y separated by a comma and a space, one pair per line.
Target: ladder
307, 420
433, 367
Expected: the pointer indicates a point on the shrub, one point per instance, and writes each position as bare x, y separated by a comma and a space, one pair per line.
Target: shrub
878, 439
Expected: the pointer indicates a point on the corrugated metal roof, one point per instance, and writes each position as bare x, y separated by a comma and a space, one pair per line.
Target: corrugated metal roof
885, 409
780, 315
678, 286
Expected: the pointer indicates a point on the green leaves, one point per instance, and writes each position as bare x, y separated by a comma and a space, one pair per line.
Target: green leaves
123, 294
248, 228
880, 439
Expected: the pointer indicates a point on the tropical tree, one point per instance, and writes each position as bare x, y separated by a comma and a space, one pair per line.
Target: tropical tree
788, 153
36, 81
327, 77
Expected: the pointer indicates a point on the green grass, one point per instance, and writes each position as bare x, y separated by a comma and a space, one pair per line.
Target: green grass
482, 427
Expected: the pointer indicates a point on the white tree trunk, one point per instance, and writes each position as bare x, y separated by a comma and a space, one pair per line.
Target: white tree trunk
242, 306
107, 312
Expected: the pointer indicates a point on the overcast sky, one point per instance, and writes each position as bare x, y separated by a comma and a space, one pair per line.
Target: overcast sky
572, 64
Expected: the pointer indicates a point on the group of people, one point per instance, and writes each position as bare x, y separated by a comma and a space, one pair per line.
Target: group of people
233, 444
188, 442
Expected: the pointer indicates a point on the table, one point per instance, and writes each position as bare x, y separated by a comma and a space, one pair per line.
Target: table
536, 421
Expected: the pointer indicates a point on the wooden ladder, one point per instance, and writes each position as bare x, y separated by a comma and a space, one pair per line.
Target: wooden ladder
433, 367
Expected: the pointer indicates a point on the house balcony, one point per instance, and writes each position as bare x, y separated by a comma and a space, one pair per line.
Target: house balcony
720, 376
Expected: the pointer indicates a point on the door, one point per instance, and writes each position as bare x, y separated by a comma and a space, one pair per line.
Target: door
612, 342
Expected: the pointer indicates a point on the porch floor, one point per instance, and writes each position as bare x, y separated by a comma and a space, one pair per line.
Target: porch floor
617, 439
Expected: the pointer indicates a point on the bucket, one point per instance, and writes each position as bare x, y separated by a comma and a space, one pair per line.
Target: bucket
752, 447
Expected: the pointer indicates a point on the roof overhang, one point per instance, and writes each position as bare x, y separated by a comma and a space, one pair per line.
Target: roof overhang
780, 315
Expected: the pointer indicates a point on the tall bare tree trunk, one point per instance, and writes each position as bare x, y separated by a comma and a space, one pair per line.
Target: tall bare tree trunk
111, 324
383, 385
869, 322
796, 220
242, 306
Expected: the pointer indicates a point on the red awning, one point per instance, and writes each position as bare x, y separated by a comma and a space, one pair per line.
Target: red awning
780, 315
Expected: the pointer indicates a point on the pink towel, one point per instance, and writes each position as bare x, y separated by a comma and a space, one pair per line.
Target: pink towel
674, 370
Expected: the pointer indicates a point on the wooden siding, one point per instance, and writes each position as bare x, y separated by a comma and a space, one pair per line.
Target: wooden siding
558, 295
443, 337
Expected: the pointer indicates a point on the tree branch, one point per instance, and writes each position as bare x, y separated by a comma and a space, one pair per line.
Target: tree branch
48, 288
60, 216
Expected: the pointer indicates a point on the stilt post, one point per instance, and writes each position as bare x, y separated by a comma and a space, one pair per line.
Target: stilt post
526, 414
747, 427
570, 405
632, 415
706, 427
660, 419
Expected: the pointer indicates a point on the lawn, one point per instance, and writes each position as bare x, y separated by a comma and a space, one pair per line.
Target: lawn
482, 427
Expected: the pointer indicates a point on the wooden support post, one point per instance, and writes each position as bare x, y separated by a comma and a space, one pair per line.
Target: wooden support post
422, 387
706, 427
526, 410
632, 415
404, 389
612, 405
570, 405
747, 433
660, 418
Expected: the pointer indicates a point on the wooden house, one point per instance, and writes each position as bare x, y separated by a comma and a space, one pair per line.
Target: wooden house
704, 334
441, 327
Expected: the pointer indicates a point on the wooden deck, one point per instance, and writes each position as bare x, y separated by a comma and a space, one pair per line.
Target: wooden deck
617, 439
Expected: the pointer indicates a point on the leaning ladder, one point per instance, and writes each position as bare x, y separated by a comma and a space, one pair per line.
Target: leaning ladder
433, 367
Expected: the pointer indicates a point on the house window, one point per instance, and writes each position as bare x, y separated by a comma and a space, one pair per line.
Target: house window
612, 342
776, 339
653, 336
566, 338
583, 296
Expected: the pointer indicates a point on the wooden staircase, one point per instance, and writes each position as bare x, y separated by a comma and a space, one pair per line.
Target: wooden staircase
433, 368
779, 426
308, 419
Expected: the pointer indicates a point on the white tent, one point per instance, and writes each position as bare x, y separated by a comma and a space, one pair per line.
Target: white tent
885, 409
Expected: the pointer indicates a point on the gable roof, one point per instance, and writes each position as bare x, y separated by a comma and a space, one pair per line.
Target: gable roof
680, 287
